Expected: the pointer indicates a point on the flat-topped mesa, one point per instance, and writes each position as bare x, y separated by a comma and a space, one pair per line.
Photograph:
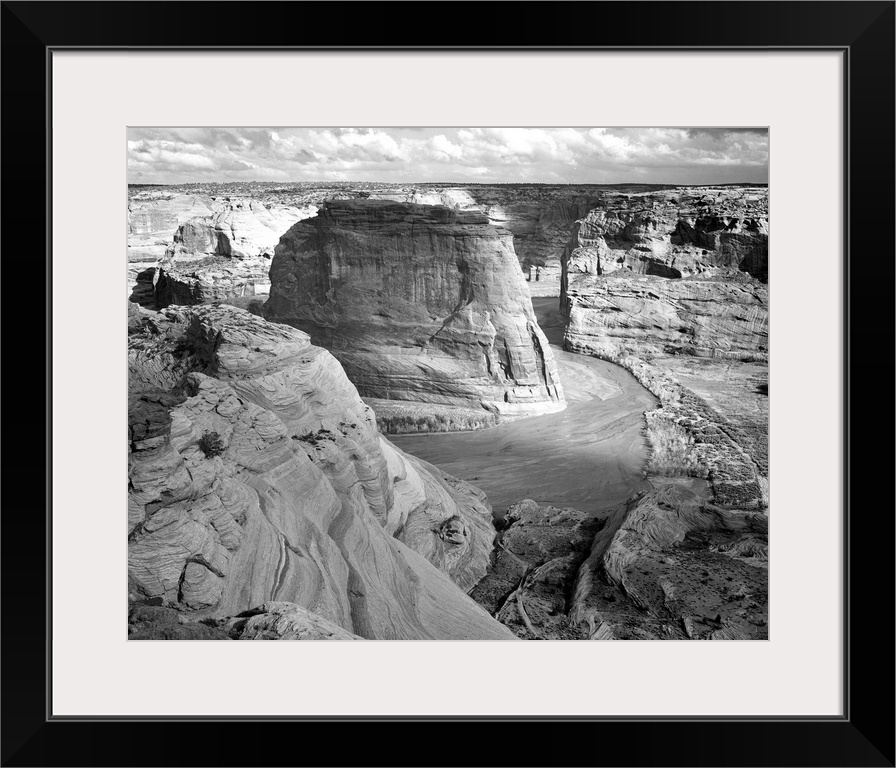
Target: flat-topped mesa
419, 303
257, 474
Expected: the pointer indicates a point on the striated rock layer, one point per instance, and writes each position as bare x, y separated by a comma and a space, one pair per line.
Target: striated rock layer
419, 303
257, 475
225, 254
680, 271
650, 316
151, 225
192, 249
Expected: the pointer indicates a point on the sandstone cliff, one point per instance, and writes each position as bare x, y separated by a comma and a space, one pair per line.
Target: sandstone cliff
680, 271
419, 303
193, 249
257, 475
651, 316
225, 254
151, 225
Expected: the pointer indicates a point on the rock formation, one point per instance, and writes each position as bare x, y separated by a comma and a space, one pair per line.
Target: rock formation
419, 303
677, 272
223, 255
192, 249
271, 621
651, 316
665, 565
151, 225
257, 475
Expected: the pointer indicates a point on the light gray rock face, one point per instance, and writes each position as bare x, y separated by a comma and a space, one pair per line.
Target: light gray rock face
540, 220
680, 271
151, 225
677, 233
225, 254
419, 303
152, 222
257, 474
649, 316
193, 249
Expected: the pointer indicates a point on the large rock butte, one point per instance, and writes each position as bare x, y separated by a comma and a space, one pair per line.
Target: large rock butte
419, 303
257, 475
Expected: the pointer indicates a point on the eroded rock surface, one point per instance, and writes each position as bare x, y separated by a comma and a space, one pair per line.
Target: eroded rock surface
192, 249
668, 565
676, 272
257, 475
151, 224
225, 254
665, 565
650, 316
419, 303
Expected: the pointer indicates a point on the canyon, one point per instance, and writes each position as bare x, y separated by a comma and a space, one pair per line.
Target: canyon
608, 345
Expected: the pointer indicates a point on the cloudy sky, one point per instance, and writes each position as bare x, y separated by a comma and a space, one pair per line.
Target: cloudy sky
405, 155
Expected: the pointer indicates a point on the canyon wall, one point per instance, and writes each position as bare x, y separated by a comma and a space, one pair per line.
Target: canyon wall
419, 303
225, 254
679, 271
257, 476
194, 249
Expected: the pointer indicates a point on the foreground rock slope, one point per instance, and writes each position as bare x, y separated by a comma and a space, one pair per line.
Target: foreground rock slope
665, 565
420, 303
257, 475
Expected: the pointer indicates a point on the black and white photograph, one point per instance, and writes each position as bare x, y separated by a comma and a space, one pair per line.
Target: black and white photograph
448, 383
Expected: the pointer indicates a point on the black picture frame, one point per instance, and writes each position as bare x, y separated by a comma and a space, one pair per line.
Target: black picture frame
864, 735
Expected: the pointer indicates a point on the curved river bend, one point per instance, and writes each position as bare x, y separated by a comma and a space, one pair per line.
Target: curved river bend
590, 456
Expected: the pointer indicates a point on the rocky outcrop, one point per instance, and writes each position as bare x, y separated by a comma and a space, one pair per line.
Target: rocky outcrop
238, 229
283, 621
257, 475
419, 303
192, 249
151, 225
536, 563
271, 621
153, 222
673, 233
202, 281
224, 255
680, 271
665, 565
650, 316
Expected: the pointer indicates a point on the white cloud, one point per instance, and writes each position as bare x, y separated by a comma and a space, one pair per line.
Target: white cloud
574, 155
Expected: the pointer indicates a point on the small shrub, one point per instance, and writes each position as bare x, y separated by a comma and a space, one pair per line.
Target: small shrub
211, 444
673, 452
